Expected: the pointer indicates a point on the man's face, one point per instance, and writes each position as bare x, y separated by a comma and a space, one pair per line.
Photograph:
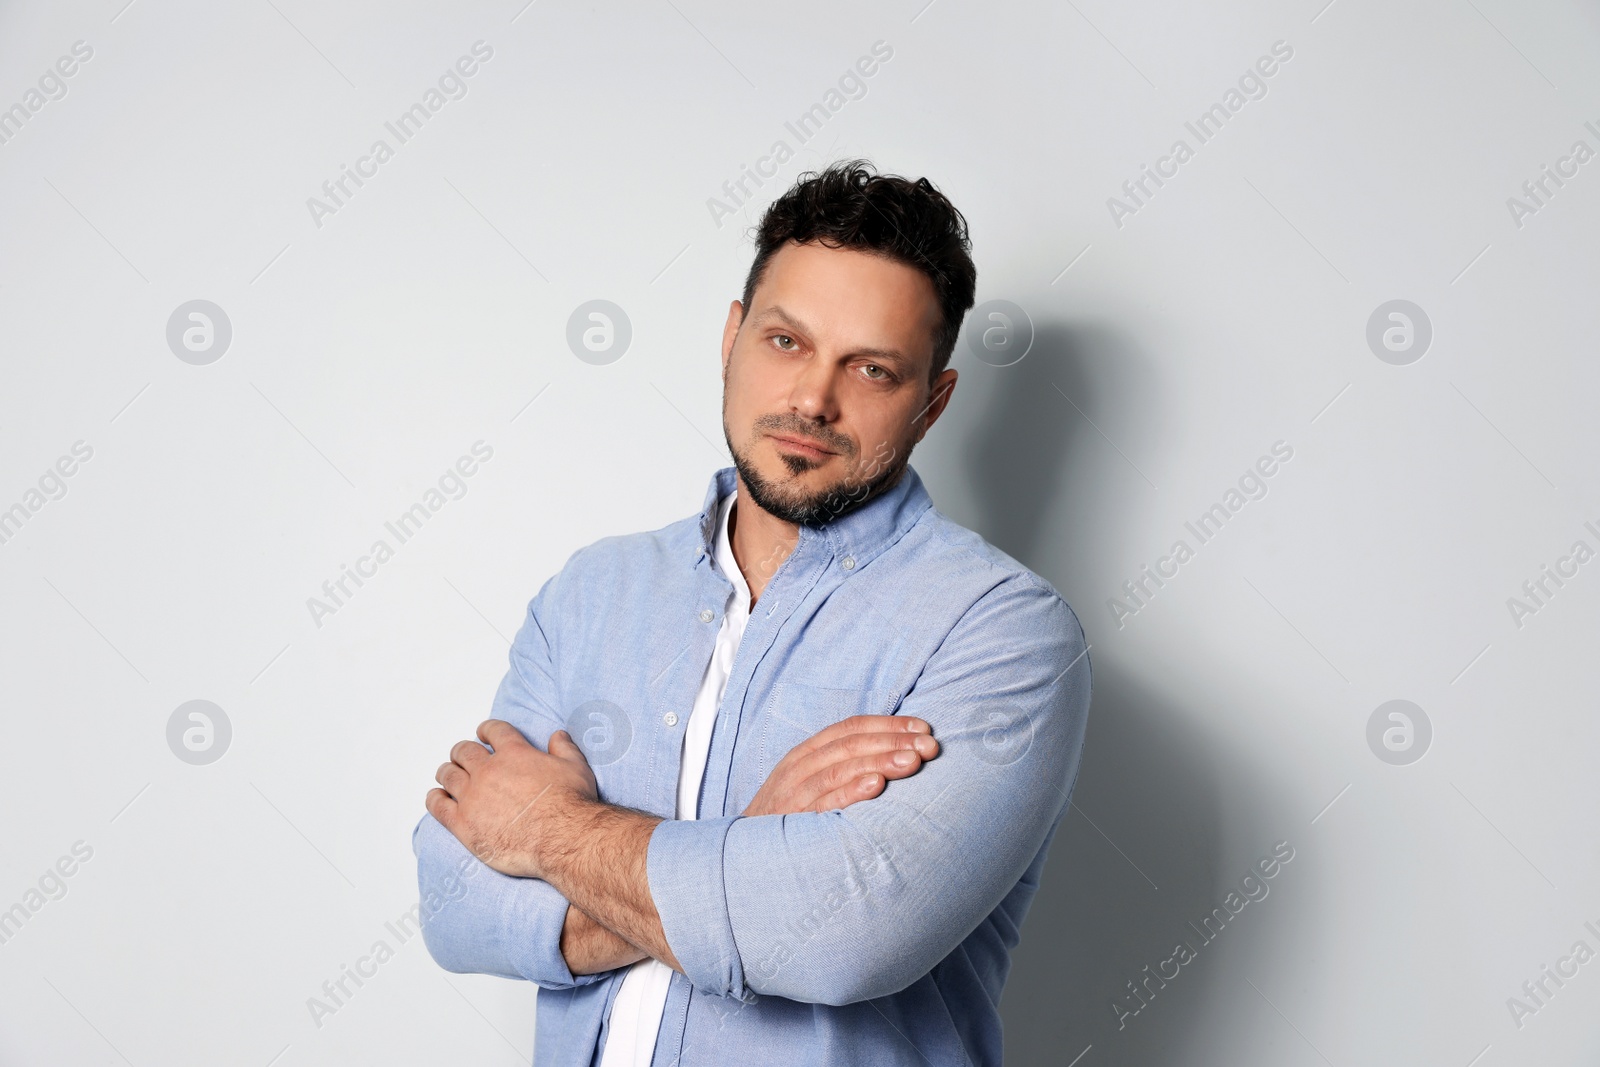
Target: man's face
825, 379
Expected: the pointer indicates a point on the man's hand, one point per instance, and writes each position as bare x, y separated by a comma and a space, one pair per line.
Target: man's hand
844, 763
499, 804
513, 804
850, 761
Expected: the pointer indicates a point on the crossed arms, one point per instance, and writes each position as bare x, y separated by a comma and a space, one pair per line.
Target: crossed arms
555, 886
533, 814
840, 765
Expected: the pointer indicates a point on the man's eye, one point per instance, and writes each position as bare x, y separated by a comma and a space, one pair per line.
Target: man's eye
882, 374
783, 337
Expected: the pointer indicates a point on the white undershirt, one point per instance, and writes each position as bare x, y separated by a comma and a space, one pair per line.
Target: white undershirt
642, 998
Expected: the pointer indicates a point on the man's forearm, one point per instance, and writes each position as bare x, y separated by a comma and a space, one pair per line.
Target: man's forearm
590, 948
595, 854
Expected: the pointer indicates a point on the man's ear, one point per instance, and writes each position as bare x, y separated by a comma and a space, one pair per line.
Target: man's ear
938, 398
730, 330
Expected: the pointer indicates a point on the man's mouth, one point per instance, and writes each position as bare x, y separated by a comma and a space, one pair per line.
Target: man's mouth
804, 445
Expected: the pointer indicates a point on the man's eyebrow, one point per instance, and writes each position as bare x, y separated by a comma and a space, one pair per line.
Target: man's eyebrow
887, 355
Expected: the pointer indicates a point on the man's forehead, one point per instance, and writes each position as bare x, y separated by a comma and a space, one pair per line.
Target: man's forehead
802, 256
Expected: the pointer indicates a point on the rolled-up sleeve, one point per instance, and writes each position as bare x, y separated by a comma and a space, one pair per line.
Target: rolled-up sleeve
849, 905
475, 919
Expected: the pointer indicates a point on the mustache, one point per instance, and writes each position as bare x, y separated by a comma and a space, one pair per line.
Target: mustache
800, 427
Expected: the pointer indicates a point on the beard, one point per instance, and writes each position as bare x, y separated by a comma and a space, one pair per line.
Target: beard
817, 507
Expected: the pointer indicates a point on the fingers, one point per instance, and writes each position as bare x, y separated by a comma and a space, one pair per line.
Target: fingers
440, 805
468, 754
867, 744
564, 747
880, 748
859, 778
863, 788
794, 784
452, 777
865, 724
498, 734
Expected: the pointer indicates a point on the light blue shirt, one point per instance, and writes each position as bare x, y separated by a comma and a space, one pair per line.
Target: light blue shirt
877, 935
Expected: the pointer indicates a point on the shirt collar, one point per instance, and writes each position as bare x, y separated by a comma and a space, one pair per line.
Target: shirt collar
724, 550
859, 534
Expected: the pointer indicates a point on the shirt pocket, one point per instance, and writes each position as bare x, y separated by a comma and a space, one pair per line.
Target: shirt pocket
796, 711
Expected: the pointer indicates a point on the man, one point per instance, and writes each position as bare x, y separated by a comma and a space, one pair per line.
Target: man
775, 784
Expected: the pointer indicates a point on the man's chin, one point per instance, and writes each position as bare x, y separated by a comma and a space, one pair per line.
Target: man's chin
812, 496
800, 470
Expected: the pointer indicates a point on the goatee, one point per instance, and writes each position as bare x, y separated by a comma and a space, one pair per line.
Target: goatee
819, 508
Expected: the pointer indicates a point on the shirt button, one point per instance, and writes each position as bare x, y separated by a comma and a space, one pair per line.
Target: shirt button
706, 615
670, 718
848, 563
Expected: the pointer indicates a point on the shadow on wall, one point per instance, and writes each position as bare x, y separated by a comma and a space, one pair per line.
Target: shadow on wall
1147, 781
1096, 921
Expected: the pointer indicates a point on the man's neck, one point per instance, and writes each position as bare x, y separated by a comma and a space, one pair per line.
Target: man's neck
760, 541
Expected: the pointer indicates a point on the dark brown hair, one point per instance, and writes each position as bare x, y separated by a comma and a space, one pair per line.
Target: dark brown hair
846, 205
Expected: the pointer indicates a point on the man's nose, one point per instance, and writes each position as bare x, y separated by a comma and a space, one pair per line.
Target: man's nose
814, 392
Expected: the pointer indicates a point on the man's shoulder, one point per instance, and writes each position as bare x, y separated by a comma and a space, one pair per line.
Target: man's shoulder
946, 545
955, 572
642, 556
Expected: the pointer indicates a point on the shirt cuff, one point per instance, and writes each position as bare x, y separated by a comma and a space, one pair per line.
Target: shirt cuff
531, 921
476, 920
684, 864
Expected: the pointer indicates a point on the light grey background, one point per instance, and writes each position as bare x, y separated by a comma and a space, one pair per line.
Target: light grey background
430, 312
